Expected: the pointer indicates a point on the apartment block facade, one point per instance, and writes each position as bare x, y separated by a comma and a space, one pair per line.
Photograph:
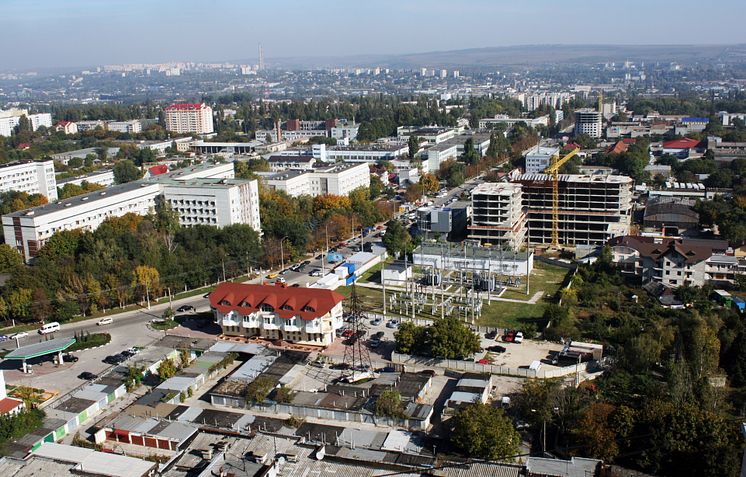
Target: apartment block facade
588, 121
29, 177
275, 312
189, 118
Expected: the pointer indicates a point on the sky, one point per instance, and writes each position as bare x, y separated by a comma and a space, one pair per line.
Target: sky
72, 33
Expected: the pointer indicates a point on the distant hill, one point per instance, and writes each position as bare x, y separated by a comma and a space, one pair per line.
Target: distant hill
530, 55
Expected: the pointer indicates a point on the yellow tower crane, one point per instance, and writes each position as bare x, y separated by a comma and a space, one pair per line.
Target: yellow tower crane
553, 169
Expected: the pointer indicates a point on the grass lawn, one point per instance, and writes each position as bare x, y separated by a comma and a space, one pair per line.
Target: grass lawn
163, 325
544, 277
505, 314
90, 341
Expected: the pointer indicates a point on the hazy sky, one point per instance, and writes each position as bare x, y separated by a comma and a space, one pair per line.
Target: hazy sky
39, 33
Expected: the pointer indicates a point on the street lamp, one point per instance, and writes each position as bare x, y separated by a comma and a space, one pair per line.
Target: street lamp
282, 252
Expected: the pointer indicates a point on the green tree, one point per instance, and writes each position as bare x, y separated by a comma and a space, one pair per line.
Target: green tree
484, 431
470, 155
19, 304
389, 404
126, 171
376, 186
146, 280
414, 146
10, 259
397, 239
258, 390
452, 339
284, 395
167, 369
406, 337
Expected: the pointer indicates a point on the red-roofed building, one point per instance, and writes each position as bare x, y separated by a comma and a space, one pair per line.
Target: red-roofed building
23, 146
619, 147
276, 312
10, 406
68, 127
189, 118
571, 146
680, 147
157, 170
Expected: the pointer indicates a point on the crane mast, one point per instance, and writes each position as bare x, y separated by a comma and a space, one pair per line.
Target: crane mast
554, 166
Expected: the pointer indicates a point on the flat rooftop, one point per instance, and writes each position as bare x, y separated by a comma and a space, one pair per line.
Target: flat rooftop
81, 200
578, 178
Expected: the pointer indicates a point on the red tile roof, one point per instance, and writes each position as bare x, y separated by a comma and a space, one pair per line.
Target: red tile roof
9, 404
159, 169
683, 143
570, 146
618, 148
307, 303
184, 107
62, 123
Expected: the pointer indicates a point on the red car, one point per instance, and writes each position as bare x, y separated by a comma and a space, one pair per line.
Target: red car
347, 333
509, 336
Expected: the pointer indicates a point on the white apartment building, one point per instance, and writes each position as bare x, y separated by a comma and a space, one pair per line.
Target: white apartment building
29, 229
10, 118
39, 120
375, 152
275, 312
84, 126
29, 177
488, 123
539, 158
103, 177
189, 118
344, 131
217, 202
338, 179
132, 127
588, 121
498, 215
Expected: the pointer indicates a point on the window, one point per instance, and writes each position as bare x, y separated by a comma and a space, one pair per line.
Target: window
267, 307
290, 322
268, 320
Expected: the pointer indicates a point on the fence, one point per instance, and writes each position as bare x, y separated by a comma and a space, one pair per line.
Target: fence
415, 363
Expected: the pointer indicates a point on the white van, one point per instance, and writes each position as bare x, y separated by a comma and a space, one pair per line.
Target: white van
49, 328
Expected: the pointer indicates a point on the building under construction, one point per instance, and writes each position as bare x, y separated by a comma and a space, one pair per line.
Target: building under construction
591, 210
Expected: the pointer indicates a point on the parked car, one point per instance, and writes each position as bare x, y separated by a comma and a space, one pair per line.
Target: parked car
347, 333
185, 308
497, 349
272, 276
378, 335
392, 324
133, 350
491, 335
85, 375
518, 337
374, 343
509, 336
3, 338
116, 359
19, 335
428, 372
106, 320
69, 358
376, 321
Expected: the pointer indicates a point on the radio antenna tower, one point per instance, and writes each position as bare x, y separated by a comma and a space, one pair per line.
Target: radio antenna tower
260, 66
357, 356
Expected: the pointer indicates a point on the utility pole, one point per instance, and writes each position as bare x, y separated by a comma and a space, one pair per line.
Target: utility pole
326, 252
282, 253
